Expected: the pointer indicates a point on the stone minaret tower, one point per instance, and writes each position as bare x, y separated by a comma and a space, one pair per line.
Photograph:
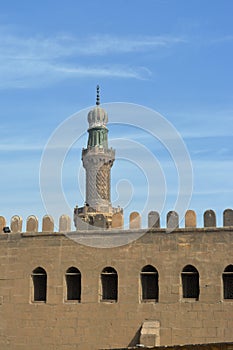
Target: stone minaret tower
97, 160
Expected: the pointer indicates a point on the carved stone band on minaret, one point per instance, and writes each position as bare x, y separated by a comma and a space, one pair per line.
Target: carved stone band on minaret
97, 163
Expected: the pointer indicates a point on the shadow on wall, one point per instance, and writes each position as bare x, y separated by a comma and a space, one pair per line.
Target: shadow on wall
136, 339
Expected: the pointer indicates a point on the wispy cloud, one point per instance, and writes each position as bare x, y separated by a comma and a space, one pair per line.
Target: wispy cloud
15, 47
222, 39
19, 147
101, 45
106, 71
27, 73
35, 61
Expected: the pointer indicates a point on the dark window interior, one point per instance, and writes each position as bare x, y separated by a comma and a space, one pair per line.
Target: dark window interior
149, 283
190, 282
109, 280
73, 284
228, 282
39, 278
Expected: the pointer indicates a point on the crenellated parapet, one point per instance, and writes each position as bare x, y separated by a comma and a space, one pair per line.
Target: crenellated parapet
47, 225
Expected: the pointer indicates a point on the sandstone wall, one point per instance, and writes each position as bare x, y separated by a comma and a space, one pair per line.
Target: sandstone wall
94, 324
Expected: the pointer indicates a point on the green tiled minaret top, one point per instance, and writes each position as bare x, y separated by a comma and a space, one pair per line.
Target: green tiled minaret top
97, 119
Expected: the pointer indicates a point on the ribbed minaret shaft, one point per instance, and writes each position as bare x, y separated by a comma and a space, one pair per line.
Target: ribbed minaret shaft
97, 160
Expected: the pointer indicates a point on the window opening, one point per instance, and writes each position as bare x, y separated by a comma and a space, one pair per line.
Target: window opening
227, 277
39, 278
73, 284
149, 283
190, 282
109, 281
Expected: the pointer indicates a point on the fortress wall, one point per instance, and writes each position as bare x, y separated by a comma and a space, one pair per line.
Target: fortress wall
94, 324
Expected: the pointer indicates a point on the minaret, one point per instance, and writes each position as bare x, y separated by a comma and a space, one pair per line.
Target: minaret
97, 160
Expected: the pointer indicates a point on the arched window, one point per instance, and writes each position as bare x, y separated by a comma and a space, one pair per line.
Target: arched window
73, 284
190, 282
149, 283
109, 282
39, 279
227, 277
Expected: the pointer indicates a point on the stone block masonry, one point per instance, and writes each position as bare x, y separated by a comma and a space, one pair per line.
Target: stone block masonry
89, 321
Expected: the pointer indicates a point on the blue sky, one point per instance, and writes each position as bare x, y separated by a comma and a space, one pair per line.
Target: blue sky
173, 56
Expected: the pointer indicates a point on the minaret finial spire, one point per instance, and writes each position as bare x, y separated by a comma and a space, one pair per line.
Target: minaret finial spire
97, 95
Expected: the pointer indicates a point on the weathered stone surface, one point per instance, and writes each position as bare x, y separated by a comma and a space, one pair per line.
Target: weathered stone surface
150, 333
228, 217
98, 168
134, 220
153, 219
16, 224
2, 223
32, 224
92, 324
190, 218
118, 221
47, 223
64, 223
172, 219
99, 221
209, 218
81, 225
